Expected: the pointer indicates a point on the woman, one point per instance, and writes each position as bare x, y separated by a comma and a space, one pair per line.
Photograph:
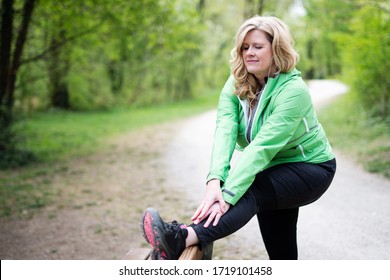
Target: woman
265, 110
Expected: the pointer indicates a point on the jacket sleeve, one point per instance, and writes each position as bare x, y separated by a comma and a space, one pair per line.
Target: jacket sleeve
289, 108
225, 135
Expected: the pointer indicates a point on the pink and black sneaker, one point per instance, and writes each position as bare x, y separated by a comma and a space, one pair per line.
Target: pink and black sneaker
168, 239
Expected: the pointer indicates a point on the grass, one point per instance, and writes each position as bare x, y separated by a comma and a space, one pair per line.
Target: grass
59, 135
24, 191
352, 131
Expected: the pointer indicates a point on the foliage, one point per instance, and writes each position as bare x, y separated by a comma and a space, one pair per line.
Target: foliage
366, 50
97, 54
351, 38
323, 19
94, 54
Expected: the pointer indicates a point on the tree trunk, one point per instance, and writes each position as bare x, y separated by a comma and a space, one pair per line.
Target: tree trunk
5, 48
253, 7
5, 65
10, 63
116, 74
248, 10
260, 7
58, 68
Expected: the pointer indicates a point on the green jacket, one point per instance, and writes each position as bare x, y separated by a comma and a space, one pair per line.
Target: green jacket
284, 129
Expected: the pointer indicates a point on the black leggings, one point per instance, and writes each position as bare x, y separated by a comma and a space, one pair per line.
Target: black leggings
275, 197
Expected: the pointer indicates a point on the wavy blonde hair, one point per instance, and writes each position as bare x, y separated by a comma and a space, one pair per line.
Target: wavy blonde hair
284, 55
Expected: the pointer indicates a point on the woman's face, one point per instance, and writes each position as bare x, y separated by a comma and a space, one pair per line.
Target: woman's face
257, 54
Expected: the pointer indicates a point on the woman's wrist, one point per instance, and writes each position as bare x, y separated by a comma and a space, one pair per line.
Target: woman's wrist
214, 182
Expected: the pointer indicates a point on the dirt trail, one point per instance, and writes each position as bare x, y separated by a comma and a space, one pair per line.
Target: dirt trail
99, 198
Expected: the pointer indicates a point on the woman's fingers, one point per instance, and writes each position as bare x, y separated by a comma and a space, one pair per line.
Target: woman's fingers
213, 195
202, 211
217, 218
210, 219
212, 211
224, 207
206, 207
213, 217
197, 212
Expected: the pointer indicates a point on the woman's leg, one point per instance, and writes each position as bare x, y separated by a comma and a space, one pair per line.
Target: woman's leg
279, 232
293, 185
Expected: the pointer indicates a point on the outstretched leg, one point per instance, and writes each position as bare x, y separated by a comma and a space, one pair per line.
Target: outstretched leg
170, 239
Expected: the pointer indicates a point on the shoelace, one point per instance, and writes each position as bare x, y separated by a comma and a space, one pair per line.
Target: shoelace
173, 227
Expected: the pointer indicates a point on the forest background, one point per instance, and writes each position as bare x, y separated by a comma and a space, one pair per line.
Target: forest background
73, 73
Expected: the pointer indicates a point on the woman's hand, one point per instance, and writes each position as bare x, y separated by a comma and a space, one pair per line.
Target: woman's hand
213, 205
215, 213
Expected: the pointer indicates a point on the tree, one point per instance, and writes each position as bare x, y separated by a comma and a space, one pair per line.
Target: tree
96, 54
253, 7
366, 52
59, 25
325, 19
11, 48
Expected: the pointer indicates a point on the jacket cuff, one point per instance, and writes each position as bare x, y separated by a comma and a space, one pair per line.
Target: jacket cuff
229, 197
214, 176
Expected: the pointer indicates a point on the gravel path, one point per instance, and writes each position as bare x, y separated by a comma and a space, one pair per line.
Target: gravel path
351, 221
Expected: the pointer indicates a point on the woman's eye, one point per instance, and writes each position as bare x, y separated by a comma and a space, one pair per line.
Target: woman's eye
245, 48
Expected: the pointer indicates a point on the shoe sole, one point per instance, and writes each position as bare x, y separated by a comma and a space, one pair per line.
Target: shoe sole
150, 222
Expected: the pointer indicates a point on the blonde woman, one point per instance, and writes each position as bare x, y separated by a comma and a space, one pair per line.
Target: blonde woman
265, 110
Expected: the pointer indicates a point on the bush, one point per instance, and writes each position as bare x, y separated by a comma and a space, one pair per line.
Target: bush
365, 54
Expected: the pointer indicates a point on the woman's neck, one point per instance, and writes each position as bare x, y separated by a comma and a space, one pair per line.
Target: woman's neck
263, 79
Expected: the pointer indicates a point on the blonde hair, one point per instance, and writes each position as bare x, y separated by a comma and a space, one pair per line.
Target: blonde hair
284, 55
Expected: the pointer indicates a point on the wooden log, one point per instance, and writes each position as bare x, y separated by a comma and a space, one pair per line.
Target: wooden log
194, 253
191, 253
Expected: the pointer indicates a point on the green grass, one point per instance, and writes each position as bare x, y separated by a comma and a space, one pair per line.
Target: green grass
352, 131
58, 135
25, 190
23, 195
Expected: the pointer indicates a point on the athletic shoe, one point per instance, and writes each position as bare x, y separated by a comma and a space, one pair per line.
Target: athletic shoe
167, 239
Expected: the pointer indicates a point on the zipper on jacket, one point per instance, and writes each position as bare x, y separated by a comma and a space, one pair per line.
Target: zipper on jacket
248, 133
